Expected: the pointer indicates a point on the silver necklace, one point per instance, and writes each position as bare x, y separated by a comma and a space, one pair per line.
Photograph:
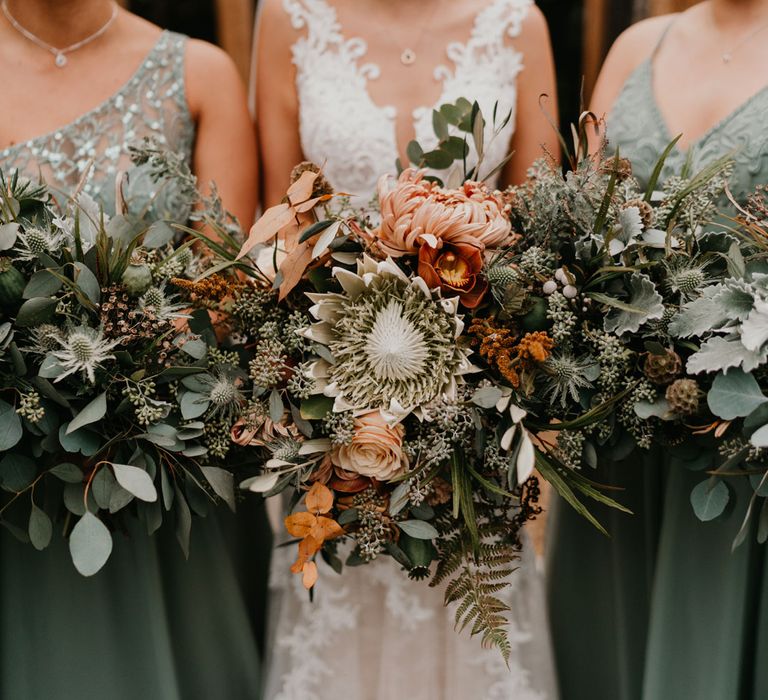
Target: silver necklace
408, 56
60, 55
727, 56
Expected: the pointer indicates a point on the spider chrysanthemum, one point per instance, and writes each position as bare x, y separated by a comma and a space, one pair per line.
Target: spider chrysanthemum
394, 344
83, 349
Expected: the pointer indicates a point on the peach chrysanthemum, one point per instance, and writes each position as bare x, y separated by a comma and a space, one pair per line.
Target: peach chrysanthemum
416, 210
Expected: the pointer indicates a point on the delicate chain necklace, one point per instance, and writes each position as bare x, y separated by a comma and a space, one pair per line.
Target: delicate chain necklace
408, 56
727, 56
60, 55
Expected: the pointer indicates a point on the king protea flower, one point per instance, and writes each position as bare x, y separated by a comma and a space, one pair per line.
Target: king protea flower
415, 211
394, 343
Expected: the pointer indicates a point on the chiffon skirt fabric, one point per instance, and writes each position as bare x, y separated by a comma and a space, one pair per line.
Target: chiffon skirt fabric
663, 609
150, 625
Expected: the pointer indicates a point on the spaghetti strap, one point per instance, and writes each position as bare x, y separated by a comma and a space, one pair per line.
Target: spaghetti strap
663, 37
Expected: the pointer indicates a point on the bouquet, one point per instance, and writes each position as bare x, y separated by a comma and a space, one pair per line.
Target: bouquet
389, 367
95, 348
655, 302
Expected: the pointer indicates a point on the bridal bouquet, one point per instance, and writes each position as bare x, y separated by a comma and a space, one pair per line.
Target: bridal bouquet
658, 315
94, 353
389, 366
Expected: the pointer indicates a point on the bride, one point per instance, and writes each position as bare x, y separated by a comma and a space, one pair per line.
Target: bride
367, 74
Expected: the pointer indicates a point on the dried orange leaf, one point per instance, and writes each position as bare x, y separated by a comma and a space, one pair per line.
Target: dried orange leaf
301, 190
300, 524
293, 268
319, 499
310, 204
268, 226
310, 575
326, 529
308, 547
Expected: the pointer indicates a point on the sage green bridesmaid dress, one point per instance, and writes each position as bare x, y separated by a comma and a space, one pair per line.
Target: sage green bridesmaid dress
664, 610
151, 624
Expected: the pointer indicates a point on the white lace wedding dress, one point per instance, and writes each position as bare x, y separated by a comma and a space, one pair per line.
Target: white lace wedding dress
373, 634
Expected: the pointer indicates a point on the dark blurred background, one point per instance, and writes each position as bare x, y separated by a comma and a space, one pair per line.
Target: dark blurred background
582, 32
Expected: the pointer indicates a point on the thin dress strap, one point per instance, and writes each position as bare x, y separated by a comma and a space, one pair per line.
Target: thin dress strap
663, 37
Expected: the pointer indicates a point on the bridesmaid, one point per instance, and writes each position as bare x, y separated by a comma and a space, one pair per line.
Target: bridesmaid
694, 623
150, 625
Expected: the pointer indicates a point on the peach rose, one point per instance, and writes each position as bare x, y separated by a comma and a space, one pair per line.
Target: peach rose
376, 450
415, 210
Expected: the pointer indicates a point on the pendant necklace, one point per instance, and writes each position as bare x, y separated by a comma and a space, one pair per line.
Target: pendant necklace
60, 55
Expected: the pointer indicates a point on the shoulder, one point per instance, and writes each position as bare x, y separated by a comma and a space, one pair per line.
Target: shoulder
281, 17
636, 44
210, 73
531, 31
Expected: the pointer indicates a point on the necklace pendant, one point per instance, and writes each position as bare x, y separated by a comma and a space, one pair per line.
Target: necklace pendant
408, 57
61, 60
727, 57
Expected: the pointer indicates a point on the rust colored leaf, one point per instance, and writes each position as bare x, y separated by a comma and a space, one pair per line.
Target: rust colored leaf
319, 499
309, 578
293, 268
301, 190
300, 524
268, 226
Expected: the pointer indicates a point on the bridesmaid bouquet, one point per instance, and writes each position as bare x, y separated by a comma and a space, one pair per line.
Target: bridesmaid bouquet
95, 352
391, 363
659, 318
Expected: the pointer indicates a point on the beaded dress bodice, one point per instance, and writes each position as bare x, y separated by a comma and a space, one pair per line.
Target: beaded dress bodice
638, 129
152, 104
342, 127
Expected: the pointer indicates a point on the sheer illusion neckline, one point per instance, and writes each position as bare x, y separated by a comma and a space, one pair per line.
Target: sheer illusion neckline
708, 133
103, 105
369, 70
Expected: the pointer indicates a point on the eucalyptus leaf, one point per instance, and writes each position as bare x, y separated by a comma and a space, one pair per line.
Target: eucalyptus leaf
193, 405
487, 396
276, 407
50, 368
222, 482
418, 529
84, 441
159, 234
734, 395
119, 499
261, 483
760, 437
136, 481
35, 311
102, 486
709, 499
10, 427
86, 280
183, 522
8, 235
42, 284
90, 545
196, 349
93, 412
17, 472
40, 528
69, 473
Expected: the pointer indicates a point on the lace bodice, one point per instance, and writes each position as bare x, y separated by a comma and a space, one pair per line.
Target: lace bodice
151, 104
342, 127
637, 127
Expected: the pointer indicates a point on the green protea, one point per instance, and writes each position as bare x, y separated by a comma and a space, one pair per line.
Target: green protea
664, 368
684, 396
